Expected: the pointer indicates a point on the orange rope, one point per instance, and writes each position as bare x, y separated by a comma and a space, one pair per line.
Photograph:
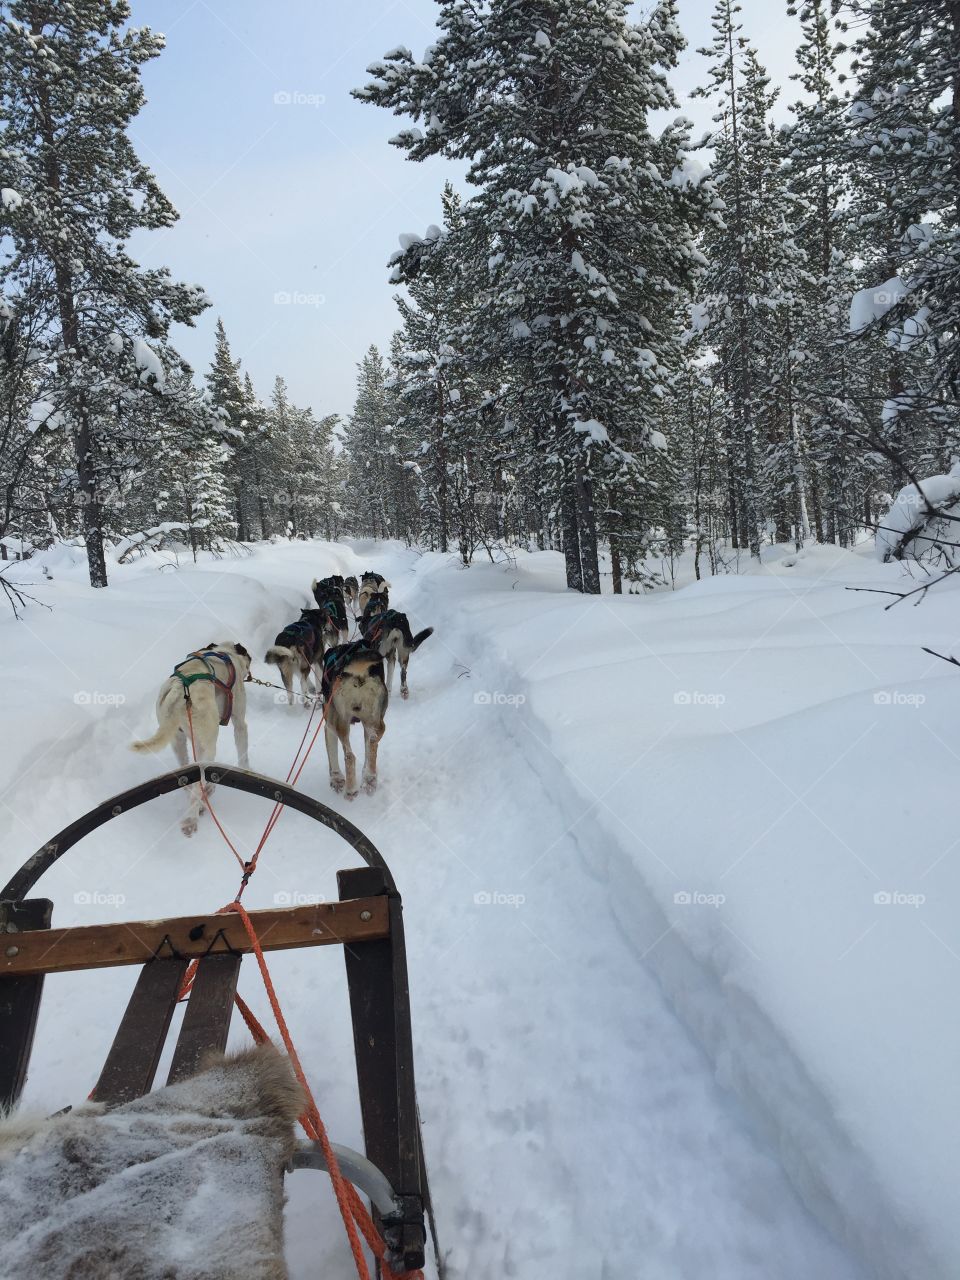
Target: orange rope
355, 1215
251, 866
352, 1209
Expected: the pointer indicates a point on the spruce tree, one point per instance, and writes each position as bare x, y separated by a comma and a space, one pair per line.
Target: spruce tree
587, 216
75, 192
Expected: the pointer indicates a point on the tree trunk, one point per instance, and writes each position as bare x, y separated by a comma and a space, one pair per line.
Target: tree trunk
587, 519
615, 566
70, 330
569, 528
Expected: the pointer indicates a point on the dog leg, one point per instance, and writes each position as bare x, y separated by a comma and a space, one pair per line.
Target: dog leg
350, 763
371, 741
241, 739
404, 691
391, 666
179, 745
305, 683
333, 757
286, 675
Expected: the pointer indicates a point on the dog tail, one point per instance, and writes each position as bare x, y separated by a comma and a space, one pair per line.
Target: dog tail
419, 638
277, 654
162, 738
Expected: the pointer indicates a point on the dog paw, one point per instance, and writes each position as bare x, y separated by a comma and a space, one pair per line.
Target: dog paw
369, 785
404, 693
352, 795
188, 826
337, 781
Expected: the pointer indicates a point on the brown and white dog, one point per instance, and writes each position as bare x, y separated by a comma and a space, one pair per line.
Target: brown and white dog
371, 584
354, 692
213, 678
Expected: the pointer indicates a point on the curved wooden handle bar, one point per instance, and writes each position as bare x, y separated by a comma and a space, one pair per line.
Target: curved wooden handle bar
257, 784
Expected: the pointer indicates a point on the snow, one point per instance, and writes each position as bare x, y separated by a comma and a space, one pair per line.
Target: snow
10, 199
147, 360
675, 993
910, 510
872, 304
44, 414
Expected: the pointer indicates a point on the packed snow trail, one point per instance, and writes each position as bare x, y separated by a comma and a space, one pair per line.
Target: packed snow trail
572, 1126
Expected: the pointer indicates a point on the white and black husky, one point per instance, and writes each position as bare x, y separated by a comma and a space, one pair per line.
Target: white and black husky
388, 631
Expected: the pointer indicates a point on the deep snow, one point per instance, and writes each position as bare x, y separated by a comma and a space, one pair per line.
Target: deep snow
639, 841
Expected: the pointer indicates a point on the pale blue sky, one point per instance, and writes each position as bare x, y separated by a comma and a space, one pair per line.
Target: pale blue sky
305, 198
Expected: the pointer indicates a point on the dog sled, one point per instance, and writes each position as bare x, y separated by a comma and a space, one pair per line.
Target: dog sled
366, 921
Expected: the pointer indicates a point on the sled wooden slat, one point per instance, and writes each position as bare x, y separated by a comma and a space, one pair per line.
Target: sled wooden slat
380, 1008
19, 997
132, 1061
100, 946
206, 1024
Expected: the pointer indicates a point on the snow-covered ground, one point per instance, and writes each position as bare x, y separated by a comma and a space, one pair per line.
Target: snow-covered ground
680, 885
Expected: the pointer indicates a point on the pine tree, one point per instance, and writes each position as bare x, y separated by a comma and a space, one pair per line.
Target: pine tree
819, 178
367, 440
906, 138
589, 227
76, 191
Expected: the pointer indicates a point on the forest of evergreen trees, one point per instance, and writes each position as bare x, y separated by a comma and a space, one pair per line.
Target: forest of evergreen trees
627, 343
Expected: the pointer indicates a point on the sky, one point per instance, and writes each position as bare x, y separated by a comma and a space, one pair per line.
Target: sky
290, 199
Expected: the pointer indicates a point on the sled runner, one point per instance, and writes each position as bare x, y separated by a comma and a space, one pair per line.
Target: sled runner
366, 921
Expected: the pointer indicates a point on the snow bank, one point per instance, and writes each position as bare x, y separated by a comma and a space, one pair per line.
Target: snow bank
761, 773
733, 797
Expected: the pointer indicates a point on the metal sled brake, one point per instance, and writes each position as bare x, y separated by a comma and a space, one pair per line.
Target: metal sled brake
367, 922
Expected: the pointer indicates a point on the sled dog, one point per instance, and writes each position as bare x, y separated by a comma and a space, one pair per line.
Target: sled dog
388, 631
212, 678
299, 648
354, 691
329, 596
371, 583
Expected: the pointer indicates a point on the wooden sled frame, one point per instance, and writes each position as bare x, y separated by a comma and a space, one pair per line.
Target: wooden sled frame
367, 921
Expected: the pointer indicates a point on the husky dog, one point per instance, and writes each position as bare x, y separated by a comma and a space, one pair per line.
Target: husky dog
328, 593
354, 692
388, 631
351, 589
371, 583
299, 647
212, 679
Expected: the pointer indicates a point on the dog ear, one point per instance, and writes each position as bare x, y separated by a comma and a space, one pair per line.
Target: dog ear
240, 649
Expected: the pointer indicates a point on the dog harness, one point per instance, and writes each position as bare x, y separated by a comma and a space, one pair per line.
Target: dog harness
336, 659
378, 624
226, 687
304, 634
